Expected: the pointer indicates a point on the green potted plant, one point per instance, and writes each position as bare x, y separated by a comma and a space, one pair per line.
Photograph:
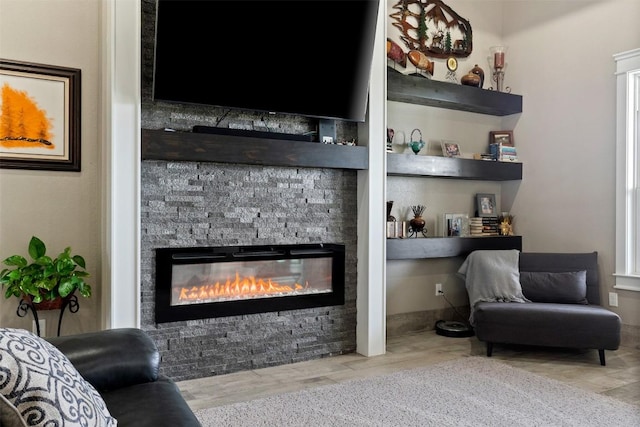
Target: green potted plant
44, 279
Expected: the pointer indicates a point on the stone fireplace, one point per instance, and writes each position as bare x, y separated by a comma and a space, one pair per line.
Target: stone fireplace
202, 205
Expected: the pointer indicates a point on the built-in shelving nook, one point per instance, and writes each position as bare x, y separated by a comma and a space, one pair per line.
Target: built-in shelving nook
422, 91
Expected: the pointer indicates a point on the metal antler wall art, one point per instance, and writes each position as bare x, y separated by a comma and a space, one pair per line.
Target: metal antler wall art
433, 28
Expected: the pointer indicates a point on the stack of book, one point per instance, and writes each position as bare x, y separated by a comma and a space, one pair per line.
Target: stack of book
482, 156
475, 226
483, 226
503, 153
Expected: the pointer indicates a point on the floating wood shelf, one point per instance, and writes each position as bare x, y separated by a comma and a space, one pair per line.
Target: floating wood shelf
200, 147
434, 93
448, 167
442, 247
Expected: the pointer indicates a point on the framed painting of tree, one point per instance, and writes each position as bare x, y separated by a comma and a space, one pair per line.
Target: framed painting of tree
39, 116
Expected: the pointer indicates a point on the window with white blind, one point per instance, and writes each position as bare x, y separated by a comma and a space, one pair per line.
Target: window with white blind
628, 171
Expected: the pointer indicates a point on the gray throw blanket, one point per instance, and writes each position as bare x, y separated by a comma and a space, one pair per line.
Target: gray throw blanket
492, 276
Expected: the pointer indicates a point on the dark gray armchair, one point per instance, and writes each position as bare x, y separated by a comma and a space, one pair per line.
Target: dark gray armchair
564, 311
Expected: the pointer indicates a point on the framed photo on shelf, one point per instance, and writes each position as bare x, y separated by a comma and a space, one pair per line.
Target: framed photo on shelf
504, 137
450, 149
486, 205
456, 225
40, 120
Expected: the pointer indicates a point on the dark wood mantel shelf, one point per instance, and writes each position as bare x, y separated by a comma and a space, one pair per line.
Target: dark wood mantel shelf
199, 147
434, 93
442, 247
448, 167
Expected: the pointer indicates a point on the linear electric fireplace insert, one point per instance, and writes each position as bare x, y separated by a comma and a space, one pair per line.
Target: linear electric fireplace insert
200, 283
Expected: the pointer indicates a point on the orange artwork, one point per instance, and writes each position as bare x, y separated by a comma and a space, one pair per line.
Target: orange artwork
39, 116
22, 123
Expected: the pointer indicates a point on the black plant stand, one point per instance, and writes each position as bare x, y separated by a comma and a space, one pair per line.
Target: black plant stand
24, 306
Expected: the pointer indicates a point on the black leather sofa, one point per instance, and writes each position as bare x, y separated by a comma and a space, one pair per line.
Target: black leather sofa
560, 314
123, 365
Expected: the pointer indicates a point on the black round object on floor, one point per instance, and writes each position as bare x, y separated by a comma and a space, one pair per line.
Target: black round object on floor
451, 328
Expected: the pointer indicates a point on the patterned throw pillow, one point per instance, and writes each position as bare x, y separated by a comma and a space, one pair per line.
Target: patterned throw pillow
44, 387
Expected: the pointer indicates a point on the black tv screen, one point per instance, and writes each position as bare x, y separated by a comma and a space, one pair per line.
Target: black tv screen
308, 57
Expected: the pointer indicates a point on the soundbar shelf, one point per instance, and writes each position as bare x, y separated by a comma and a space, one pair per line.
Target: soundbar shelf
443, 247
423, 91
200, 147
449, 167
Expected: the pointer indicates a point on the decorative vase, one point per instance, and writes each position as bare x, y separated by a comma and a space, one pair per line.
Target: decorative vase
389, 216
416, 145
480, 73
471, 79
417, 224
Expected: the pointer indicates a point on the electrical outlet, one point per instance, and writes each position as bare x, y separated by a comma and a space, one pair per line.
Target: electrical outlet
439, 289
43, 327
613, 299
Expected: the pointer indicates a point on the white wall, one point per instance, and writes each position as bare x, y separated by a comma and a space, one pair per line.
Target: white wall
561, 56
62, 208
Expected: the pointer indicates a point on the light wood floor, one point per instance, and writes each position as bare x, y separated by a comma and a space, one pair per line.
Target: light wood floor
620, 378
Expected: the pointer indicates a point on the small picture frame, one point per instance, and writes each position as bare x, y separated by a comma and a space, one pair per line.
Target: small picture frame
486, 205
40, 120
450, 149
504, 137
456, 225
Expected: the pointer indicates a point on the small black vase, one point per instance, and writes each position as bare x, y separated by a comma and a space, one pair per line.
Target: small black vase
389, 216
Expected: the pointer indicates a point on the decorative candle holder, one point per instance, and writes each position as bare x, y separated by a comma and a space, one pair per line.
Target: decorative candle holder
498, 65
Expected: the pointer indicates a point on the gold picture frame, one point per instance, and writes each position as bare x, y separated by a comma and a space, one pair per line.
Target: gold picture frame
40, 116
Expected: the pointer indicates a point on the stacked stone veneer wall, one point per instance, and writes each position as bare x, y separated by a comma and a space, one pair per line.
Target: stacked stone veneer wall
187, 204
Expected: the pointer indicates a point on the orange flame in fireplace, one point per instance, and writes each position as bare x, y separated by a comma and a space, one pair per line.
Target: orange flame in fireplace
240, 287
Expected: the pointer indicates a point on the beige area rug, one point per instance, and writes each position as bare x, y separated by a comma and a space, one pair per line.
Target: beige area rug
474, 391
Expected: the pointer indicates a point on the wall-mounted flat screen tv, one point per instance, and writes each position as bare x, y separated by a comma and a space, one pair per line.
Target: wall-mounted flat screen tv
307, 57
